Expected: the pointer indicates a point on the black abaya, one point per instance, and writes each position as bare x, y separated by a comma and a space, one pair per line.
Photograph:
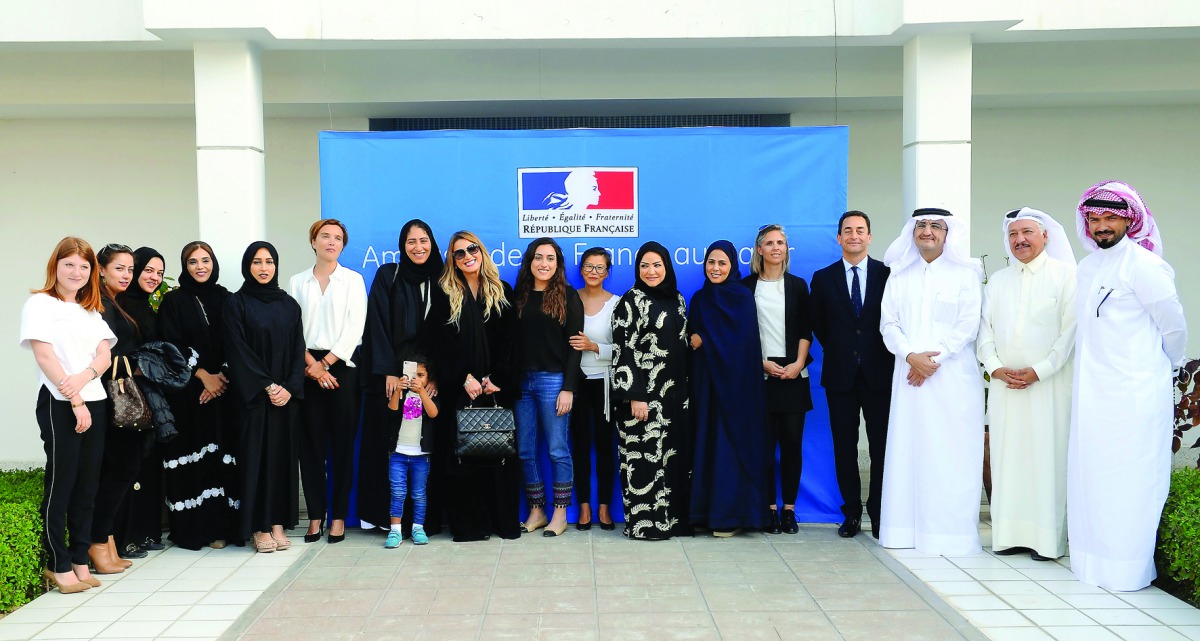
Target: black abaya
264, 345
199, 465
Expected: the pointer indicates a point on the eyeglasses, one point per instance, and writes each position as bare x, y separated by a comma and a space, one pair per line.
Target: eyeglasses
599, 270
472, 249
935, 226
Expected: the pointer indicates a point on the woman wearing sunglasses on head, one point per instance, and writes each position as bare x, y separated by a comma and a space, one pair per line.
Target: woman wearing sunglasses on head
62, 326
549, 313
333, 300
397, 307
591, 416
475, 350
785, 333
264, 345
122, 447
199, 464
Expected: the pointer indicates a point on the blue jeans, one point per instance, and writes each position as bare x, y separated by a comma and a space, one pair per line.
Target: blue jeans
409, 471
535, 412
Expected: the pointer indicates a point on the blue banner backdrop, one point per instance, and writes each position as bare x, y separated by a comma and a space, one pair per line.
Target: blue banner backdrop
615, 188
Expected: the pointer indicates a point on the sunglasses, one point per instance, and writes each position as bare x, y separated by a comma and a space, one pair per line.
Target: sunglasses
472, 249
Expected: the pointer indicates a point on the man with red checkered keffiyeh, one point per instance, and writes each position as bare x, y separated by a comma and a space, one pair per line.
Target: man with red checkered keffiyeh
1130, 336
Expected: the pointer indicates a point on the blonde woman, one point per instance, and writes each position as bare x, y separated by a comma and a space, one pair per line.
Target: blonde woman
474, 339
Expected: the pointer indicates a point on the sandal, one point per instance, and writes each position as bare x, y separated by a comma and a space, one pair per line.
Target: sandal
264, 546
282, 544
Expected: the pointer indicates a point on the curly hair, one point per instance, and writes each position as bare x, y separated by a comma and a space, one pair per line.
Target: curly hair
554, 301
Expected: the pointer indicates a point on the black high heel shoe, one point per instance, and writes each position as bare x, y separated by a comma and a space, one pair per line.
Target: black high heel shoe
314, 537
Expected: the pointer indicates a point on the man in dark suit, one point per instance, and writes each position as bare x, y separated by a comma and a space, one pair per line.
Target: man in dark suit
857, 368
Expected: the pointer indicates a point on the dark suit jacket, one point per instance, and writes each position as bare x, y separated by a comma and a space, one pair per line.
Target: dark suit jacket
792, 395
843, 336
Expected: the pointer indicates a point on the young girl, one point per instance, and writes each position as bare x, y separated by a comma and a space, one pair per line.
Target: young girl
410, 428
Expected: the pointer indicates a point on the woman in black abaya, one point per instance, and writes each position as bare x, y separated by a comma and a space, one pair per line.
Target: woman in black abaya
731, 471
264, 346
199, 464
397, 306
650, 353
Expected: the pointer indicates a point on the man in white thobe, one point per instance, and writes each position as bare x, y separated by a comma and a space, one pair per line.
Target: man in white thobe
1026, 337
1130, 336
932, 472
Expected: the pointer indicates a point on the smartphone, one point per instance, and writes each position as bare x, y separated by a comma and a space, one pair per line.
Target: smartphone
410, 369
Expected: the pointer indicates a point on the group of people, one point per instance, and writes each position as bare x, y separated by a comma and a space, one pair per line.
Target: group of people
693, 399
1080, 361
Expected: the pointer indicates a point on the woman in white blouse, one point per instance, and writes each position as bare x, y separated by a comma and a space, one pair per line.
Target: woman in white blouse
333, 303
591, 418
61, 324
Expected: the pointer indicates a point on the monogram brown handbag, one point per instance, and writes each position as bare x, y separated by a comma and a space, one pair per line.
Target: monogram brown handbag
130, 409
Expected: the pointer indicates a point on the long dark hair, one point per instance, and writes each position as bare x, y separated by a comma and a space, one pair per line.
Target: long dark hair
554, 301
104, 257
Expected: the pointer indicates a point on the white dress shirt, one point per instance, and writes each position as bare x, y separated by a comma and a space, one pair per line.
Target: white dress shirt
333, 319
862, 276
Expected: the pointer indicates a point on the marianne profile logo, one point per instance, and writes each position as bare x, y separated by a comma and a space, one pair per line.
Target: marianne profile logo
577, 201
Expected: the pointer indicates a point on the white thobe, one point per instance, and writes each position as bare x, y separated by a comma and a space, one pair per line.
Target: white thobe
1130, 335
1029, 321
932, 472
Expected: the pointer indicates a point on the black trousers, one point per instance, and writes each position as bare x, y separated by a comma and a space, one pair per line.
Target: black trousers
844, 410
72, 467
788, 431
329, 427
589, 429
123, 451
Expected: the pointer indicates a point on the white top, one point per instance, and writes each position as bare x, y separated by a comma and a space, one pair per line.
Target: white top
598, 329
769, 298
73, 332
333, 320
408, 442
862, 276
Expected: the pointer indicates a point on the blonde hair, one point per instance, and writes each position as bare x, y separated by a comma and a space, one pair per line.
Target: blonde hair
756, 260
454, 283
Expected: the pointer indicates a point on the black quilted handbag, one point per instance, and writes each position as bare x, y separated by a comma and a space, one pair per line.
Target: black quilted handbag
486, 434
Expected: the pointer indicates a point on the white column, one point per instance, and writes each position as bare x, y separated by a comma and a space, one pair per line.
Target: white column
937, 124
230, 167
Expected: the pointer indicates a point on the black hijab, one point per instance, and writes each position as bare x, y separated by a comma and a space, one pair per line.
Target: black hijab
136, 301
211, 295
134, 296
250, 286
667, 289
411, 272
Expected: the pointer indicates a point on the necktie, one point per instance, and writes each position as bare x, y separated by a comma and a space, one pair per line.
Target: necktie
856, 292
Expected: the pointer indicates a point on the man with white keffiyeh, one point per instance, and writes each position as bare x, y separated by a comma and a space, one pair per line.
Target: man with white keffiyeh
929, 318
1026, 337
1130, 335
